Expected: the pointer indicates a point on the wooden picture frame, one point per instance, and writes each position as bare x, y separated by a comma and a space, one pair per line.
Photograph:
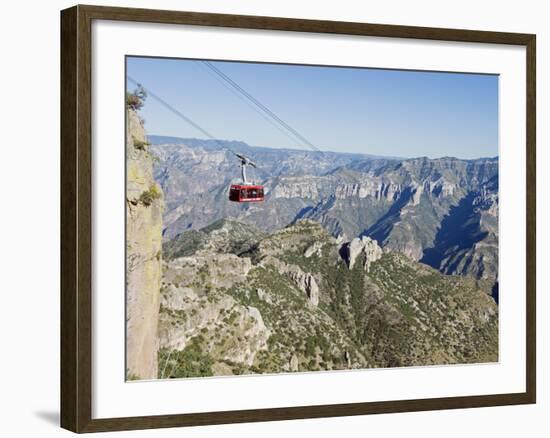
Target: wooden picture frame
76, 218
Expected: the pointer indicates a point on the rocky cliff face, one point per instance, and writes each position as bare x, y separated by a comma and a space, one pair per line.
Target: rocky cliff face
300, 299
195, 313
144, 209
466, 242
365, 247
223, 236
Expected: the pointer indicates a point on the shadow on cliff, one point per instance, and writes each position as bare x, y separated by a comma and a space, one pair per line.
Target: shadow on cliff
459, 230
382, 228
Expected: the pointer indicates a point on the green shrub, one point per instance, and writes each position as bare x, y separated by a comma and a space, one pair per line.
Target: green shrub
238, 369
310, 346
149, 196
189, 362
136, 99
140, 145
132, 376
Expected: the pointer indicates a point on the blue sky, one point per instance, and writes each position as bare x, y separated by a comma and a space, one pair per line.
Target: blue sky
382, 112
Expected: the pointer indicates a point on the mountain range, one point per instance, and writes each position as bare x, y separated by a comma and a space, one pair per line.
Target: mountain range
441, 212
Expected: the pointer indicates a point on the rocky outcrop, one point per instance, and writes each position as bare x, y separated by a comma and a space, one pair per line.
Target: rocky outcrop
223, 236
304, 281
364, 246
307, 284
316, 249
187, 316
294, 363
197, 313
207, 270
144, 209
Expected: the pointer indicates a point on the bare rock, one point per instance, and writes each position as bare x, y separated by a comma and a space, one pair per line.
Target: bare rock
144, 208
264, 296
303, 280
186, 316
347, 358
293, 364
209, 270
364, 245
314, 249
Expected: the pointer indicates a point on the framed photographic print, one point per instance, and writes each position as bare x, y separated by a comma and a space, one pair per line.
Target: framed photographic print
270, 218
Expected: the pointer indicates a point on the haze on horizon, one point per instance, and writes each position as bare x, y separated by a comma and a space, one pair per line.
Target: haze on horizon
358, 110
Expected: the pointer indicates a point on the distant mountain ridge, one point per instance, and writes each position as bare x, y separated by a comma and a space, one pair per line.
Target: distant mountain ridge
241, 146
443, 212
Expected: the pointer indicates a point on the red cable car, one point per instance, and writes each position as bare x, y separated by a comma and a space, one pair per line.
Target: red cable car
242, 193
246, 191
